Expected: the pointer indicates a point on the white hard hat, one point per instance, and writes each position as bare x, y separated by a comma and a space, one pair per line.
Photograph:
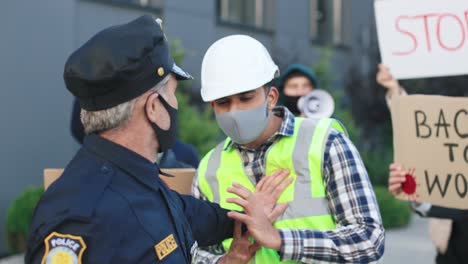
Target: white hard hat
235, 64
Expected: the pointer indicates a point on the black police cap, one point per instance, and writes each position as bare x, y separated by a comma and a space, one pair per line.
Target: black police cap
119, 64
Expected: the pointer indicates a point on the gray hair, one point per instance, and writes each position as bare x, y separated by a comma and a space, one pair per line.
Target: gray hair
115, 117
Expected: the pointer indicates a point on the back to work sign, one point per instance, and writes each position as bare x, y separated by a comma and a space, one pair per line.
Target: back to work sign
430, 137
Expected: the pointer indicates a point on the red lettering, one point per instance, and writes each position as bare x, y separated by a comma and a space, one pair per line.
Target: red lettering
466, 18
462, 40
413, 37
426, 29
439, 28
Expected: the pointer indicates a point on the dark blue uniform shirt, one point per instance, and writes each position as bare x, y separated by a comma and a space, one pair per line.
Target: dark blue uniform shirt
113, 200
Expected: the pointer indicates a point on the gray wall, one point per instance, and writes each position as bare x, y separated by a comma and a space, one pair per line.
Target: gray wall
38, 36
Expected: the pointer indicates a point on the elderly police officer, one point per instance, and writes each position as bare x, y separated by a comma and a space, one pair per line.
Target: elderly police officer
110, 206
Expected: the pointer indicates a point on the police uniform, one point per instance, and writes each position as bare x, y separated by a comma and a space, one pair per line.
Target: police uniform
109, 205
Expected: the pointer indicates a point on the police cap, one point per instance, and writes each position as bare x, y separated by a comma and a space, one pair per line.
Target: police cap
119, 64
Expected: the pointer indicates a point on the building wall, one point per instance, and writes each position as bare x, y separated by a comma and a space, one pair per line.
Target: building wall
38, 36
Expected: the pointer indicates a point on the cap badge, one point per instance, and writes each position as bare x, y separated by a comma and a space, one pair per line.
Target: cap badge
160, 71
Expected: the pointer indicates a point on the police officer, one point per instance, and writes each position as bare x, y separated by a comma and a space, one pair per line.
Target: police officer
109, 205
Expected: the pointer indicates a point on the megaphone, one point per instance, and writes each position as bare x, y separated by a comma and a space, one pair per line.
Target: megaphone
316, 104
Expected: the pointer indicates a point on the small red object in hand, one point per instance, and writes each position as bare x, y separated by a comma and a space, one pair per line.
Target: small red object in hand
409, 186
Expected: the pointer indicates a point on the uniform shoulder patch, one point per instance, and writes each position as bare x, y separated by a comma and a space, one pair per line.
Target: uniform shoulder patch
63, 249
165, 247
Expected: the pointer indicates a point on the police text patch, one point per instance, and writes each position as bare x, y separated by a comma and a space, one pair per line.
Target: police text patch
165, 247
63, 249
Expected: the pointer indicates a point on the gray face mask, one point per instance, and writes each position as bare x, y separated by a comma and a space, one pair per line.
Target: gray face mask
244, 126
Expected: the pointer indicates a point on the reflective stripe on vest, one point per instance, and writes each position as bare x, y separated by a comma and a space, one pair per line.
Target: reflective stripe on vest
306, 196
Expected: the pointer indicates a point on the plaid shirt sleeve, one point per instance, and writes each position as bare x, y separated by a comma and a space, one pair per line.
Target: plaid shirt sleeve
210, 254
359, 234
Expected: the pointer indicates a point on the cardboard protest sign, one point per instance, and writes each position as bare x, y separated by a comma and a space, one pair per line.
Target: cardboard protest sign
50, 176
423, 38
430, 137
181, 182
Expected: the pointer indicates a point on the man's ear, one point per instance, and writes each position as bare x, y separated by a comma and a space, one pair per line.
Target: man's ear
156, 112
272, 97
152, 106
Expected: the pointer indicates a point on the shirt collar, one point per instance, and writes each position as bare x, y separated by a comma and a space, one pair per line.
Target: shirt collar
286, 129
130, 162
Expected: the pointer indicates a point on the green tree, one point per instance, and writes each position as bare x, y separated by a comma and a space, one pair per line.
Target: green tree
395, 213
197, 126
324, 71
19, 217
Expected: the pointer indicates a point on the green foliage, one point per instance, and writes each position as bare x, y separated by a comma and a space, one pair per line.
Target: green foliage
343, 114
323, 70
196, 126
177, 52
377, 162
395, 213
378, 159
19, 218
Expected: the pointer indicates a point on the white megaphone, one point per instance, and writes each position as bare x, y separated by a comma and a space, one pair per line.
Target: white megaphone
316, 104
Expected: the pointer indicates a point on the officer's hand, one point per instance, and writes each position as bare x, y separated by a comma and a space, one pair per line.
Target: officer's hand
396, 179
258, 223
385, 78
270, 188
242, 249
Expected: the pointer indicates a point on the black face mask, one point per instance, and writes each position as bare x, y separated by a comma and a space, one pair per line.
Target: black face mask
291, 103
167, 138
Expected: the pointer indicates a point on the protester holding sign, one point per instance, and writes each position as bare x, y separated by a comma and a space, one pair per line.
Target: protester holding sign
455, 251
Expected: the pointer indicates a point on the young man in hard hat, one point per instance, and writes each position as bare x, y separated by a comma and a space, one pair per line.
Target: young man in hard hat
333, 216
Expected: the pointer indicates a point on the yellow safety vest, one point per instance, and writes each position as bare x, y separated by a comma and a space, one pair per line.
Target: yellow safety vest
306, 196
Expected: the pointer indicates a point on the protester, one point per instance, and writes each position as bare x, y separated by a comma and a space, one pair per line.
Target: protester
454, 249
296, 81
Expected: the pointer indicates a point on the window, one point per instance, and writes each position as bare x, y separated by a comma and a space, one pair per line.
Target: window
330, 21
252, 13
146, 4
151, 3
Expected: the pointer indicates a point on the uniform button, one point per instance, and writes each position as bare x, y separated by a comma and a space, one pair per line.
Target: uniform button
105, 169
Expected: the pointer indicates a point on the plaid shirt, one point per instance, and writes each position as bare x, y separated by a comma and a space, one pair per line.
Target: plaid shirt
359, 234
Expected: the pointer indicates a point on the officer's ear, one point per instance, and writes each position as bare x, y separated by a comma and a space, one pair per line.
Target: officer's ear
156, 112
272, 97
